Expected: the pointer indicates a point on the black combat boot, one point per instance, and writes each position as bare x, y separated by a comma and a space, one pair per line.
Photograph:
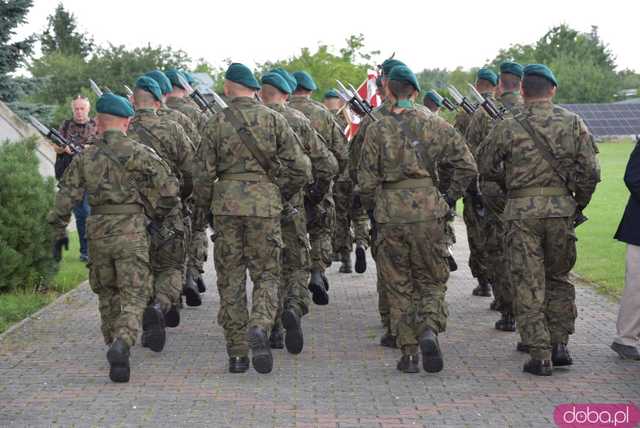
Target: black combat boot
293, 338
275, 339
238, 364
494, 305
451, 261
346, 263
522, 347
118, 358
409, 364
361, 259
153, 328
172, 317
538, 367
506, 323
261, 357
432, 361
201, 286
483, 289
388, 341
190, 291
560, 355
318, 289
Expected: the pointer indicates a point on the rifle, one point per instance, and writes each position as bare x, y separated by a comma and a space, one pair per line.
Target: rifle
492, 110
218, 103
449, 105
128, 90
54, 136
95, 88
461, 100
355, 101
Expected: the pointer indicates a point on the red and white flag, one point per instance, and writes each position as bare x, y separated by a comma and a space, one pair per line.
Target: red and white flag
369, 92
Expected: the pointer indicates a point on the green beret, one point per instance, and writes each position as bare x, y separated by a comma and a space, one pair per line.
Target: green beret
242, 75
435, 97
146, 83
488, 75
305, 80
511, 68
287, 76
162, 79
173, 74
115, 105
277, 81
388, 65
190, 79
402, 73
542, 71
331, 93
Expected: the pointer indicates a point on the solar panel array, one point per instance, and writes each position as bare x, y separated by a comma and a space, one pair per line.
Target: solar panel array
607, 120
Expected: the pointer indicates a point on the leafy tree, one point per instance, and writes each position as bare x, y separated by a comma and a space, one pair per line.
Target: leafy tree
61, 35
12, 54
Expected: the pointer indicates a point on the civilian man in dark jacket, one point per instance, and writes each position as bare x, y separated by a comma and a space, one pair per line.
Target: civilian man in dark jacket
628, 325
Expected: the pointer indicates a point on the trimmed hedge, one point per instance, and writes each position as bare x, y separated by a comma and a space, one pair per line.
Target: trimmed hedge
25, 199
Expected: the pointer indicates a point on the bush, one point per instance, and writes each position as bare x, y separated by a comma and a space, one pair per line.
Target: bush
25, 199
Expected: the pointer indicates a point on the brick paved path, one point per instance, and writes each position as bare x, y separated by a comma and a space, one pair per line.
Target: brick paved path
53, 370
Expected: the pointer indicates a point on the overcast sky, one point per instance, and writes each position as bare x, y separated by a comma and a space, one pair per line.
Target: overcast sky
424, 34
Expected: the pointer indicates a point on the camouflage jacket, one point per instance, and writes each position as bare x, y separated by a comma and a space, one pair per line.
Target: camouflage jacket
513, 159
355, 147
461, 121
508, 103
342, 125
186, 105
479, 126
223, 153
76, 133
116, 170
183, 120
169, 140
324, 123
390, 156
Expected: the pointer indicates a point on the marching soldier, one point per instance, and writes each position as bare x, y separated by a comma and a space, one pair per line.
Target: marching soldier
321, 212
253, 153
433, 101
294, 296
546, 158
126, 183
474, 211
168, 253
494, 200
396, 184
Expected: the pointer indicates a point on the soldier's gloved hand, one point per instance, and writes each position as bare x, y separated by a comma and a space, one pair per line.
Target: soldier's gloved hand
317, 191
478, 204
356, 202
58, 244
210, 219
450, 201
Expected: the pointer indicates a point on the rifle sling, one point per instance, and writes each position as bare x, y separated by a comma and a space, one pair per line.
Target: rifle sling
248, 140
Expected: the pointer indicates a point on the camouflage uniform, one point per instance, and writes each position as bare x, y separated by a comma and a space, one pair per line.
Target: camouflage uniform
293, 293
494, 200
198, 242
321, 218
355, 154
117, 173
461, 121
395, 179
540, 238
476, 130
171, 143
247, 205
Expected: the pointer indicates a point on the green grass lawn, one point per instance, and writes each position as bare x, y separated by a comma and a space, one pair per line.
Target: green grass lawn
600, 257
18, 305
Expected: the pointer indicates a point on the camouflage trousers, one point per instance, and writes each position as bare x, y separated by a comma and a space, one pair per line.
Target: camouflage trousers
241, 244
540, 255
383, 296
198, 246
343, 237
476, 238
293, 292
321, 221
497, 269
167, 261
120, 274
412, 261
